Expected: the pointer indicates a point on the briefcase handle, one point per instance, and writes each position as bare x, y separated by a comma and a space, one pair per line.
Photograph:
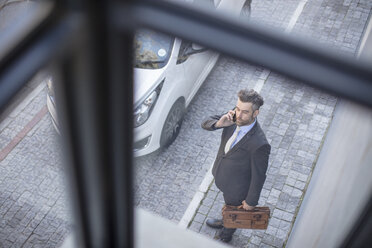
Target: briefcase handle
239, 207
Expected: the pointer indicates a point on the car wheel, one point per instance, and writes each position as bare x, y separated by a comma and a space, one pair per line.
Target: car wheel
172, 124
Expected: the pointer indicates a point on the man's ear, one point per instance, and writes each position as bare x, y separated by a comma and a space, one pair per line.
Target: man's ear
255, 113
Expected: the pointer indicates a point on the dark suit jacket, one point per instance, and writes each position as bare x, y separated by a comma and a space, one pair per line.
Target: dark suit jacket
241, 172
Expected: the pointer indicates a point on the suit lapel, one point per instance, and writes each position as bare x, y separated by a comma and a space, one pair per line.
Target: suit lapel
229, 132
226, 136
244, 139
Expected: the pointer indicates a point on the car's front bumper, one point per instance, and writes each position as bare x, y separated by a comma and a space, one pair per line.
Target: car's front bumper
146, 139
146, 136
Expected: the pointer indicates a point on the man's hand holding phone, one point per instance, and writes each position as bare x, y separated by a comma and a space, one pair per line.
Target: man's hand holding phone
226, 120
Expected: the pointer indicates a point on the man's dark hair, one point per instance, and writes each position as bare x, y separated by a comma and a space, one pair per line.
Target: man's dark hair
251, 96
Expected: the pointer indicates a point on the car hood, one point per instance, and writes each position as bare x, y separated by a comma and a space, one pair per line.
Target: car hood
145, 81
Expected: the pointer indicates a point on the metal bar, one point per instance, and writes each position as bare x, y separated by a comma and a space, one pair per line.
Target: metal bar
83, 112
121, 115
84, 120
120, 131
85, 85
344, 76
97, 124
96, 130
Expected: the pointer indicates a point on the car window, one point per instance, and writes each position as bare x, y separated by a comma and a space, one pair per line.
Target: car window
152, 49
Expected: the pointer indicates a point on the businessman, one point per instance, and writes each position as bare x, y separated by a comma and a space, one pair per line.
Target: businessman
242, 159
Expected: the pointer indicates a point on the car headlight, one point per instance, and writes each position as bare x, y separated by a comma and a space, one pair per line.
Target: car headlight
143, 111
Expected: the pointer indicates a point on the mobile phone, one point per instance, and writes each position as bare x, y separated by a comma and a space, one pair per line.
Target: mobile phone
234, 116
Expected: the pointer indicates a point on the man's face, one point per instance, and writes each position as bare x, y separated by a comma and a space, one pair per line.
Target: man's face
244, 113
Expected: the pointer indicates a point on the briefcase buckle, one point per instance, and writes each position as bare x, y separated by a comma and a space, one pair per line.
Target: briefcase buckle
233, 216
257, 216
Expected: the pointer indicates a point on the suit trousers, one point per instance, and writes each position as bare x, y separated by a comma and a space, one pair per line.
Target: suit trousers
228, 232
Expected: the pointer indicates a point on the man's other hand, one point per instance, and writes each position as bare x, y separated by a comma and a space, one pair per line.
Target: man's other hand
246, 206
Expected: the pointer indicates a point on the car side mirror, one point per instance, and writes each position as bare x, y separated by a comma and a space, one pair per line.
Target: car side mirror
193, 49
189, 49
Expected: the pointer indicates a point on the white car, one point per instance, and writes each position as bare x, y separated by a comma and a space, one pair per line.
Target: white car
164, 86
168, 72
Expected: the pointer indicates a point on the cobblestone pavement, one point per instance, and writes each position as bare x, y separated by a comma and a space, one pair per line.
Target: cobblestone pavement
33, 202
167, 181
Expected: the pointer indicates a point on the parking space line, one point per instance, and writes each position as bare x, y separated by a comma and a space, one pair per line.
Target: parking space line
261, 81
22, 105
4, 152
295, 16
196, 200
208, 178
28, 99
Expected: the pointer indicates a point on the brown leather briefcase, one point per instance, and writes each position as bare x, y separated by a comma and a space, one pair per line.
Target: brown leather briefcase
237, 217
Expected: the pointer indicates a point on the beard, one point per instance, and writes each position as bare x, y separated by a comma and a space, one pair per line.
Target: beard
246, 122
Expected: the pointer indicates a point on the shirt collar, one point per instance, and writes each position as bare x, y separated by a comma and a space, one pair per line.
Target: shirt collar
246, 129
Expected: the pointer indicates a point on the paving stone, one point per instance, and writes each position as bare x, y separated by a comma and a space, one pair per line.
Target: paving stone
239, 240
271, 230
246, 232
274, 222
210, 232
5, 243
300, 185
208, 202
250, 245
283, 201
287, 189
263, 245
212, 194
284, 225
204, 210
281, 234
279, 182
271, 241
287, 216
255, 240
195, 226
200, 218
272, 200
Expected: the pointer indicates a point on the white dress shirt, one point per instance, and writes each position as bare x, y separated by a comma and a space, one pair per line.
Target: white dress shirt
243, 131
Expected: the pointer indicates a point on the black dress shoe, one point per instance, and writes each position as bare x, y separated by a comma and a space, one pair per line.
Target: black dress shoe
224, 239
225, 235
214, 223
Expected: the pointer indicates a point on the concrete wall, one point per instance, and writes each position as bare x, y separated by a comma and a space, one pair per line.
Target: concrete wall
341, 183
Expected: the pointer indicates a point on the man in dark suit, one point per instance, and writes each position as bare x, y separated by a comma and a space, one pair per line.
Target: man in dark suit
242, 160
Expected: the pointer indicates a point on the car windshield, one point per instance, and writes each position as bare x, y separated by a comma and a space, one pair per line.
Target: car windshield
152, 49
